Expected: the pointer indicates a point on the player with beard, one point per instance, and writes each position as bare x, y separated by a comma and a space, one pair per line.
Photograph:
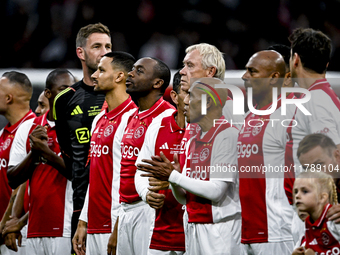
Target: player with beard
75, 108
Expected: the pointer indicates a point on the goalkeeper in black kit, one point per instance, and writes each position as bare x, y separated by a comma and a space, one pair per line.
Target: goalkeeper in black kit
75, 108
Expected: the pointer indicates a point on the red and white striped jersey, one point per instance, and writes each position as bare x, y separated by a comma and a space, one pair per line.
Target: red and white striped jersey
208, 159
324, 106
6, 138
50, 193
322, 236
107, 132
131, 144
165, 136
190, 131
261, 150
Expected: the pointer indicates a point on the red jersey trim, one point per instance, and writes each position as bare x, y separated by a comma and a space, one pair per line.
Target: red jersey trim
319, 221
119, 109
153, 108
13, 128
173, 124
212, 132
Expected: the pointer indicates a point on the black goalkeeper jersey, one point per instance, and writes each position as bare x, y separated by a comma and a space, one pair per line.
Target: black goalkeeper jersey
74, 110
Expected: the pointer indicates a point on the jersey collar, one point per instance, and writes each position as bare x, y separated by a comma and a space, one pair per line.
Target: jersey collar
148, 112
173, 124
44, 122
318, 84
119, 109
12, 128
212, 132
268, 106
319, 221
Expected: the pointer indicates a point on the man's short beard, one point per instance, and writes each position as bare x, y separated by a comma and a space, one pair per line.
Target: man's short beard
92, 69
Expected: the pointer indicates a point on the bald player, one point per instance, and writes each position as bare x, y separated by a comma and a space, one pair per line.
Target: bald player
261, 146
15, 96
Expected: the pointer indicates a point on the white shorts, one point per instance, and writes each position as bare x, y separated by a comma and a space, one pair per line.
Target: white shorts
134, 228
23, 232
96, 244
5, 251
159, 252
216, 238
48, 246
269, 248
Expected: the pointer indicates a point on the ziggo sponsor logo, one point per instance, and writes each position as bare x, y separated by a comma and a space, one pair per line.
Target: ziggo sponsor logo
334, 251
129, 151
3, 163
97, 149
246, 150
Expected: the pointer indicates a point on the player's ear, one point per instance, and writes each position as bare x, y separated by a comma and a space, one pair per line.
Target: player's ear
174, 96
80, 53
120, 76
211, 71
158, 83
47, 93
288, 80
210, 102
296, 59
9, 98
337, 156
274, 78
324, 197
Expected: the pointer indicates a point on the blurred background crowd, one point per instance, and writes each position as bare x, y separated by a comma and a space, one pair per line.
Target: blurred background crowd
41, 33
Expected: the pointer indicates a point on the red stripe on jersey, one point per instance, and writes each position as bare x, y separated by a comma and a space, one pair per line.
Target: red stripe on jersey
131, 144
6, 140
319, 237
46, 192
326, 87
169, 219
190, 131
252, 187
200, 209
101, 169
323, 85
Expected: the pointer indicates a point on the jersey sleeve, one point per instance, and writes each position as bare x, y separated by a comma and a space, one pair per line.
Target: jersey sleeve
61, 126
334, 229
224, 156
18, 150
147, 150
213, 190
325, 117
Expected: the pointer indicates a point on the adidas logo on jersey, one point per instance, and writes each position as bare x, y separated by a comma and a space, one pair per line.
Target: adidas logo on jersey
314, 242
77, 110
164, 146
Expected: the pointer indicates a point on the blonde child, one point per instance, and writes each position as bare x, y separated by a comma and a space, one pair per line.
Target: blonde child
314, 193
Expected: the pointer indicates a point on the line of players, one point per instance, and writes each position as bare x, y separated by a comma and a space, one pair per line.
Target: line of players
142, 153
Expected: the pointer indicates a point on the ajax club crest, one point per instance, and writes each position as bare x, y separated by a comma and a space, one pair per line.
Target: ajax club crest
139, 132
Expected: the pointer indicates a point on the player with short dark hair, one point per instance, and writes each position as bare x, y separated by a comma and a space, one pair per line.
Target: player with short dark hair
101, 207
35, 155
164, 135
15, 96
146, 83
